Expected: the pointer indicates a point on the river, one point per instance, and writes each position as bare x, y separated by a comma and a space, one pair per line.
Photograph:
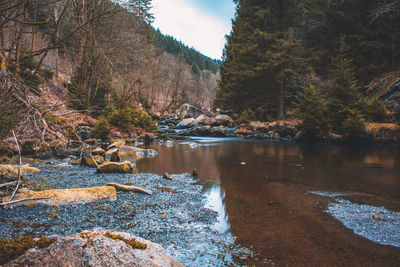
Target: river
296, 205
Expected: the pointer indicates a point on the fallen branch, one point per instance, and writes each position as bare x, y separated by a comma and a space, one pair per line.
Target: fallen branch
95, 162
19, 169
130, 188
22, 200
8, 184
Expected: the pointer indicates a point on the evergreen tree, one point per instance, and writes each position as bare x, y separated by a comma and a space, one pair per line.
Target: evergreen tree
344, 98
311, 108
262, 53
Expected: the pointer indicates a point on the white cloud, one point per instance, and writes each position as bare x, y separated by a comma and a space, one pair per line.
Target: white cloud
194, 28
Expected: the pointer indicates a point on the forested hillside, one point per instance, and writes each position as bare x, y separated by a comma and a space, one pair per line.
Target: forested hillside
278, 48
105, 60
190, 56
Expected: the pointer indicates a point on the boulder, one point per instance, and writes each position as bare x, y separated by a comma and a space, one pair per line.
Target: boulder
63, 196
224, 120
145, 153
130, 153
116, 167
116, 144
204, 120
92, 161
10, 172
98, 151
186, 123
124, 153
189, 111
97, 248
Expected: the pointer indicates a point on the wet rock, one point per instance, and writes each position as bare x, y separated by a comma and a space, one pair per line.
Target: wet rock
189, 111
124, 153
84, 132
224, 120
75, 162
116, 144
63, 196
92, 161
204, 120
98, 151
167, 176
186, 123
10, 172
116, 167
202, 131
98, 248
67, 152
145, 153
92, 141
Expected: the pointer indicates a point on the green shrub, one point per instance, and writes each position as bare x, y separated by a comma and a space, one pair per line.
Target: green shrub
129, 118
311, 108
354, 125
375, 110
9, 115
46, 73
246, 116
102, 128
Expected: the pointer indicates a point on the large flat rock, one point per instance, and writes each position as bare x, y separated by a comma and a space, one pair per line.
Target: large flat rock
63, 196
97, 248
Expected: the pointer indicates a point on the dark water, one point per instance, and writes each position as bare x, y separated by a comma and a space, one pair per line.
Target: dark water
276, 198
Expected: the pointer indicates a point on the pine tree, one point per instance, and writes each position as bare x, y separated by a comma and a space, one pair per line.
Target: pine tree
262, 53
344, 99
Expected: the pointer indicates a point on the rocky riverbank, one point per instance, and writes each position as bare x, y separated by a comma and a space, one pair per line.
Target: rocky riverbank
191, 121
174, 216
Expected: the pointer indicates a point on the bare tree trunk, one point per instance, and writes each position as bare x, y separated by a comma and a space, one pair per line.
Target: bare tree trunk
282, 101
34, 28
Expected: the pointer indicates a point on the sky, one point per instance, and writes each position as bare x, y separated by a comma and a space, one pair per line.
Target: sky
201, 24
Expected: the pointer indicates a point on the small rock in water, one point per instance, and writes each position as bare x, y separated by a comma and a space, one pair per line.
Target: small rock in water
193, 145
376, 217
167, 176
195, 173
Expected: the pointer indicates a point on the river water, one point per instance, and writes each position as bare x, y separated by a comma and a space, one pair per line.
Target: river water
296, 205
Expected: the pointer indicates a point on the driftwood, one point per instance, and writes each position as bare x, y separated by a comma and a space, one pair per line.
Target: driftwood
130, 188
22, 200
19, 168
167, 176
95, 162
8, 184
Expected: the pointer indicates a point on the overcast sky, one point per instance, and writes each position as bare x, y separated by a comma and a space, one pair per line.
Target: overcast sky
201, 24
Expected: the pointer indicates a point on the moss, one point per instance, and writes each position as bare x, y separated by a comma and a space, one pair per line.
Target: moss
127, 207
13, 248
130, 242
52, 214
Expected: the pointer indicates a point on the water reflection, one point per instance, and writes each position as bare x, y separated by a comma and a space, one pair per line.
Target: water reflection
216, 201
265, 203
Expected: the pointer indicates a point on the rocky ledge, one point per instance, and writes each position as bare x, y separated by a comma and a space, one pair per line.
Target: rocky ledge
97, 248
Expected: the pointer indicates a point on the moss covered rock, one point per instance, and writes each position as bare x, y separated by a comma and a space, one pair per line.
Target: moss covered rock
116, 167
98, 248
63, 196
92, 161
10, 172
